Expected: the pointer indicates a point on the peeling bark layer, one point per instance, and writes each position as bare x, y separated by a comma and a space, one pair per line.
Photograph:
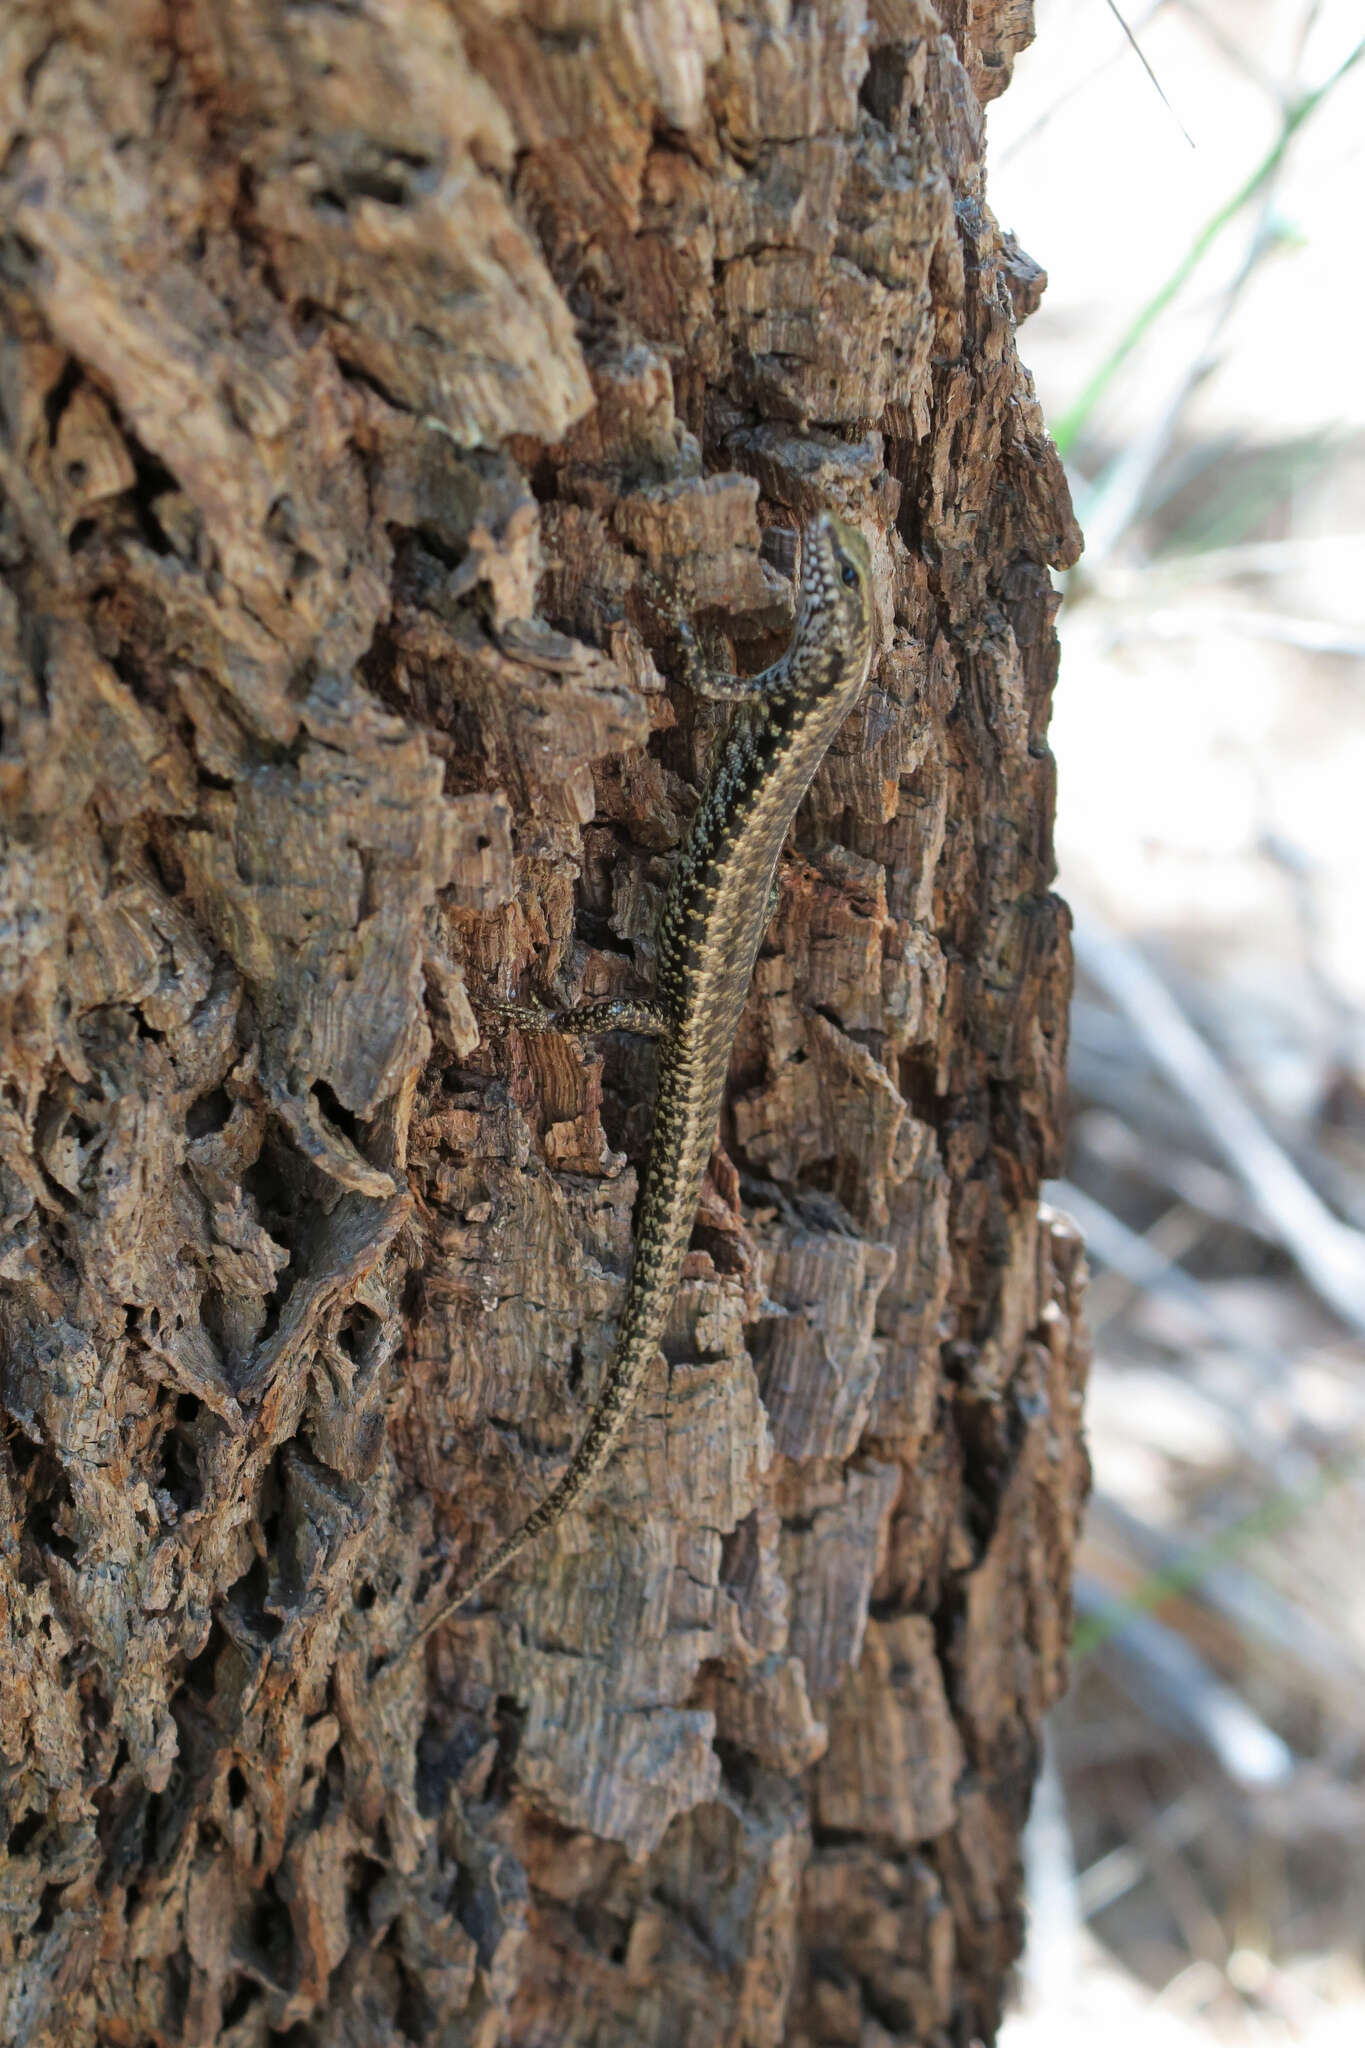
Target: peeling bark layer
363, 371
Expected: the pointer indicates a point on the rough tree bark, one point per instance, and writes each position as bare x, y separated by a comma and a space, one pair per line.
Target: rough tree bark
357, 359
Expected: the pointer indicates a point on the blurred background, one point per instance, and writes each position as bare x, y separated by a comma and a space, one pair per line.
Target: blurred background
1197, 1854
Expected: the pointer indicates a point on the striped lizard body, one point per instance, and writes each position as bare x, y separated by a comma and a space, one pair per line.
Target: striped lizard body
717, 909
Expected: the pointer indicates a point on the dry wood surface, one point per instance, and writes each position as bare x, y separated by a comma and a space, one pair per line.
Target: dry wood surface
364, 371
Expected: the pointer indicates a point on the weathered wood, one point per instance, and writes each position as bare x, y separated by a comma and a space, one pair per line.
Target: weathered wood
362, 371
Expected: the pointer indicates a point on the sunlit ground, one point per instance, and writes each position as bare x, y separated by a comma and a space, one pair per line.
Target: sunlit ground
1197, 1860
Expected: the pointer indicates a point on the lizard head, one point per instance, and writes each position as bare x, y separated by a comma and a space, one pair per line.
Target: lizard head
836, 585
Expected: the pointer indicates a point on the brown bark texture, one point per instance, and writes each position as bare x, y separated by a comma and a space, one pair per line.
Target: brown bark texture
360, 366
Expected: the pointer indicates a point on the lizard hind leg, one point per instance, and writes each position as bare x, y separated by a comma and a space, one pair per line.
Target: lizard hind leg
585, 1020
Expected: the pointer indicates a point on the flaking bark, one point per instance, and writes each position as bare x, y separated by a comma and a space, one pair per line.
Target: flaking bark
363, 370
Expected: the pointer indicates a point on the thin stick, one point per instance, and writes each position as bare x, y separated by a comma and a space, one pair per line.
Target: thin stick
1066, 430
1156, 82
1330, 1254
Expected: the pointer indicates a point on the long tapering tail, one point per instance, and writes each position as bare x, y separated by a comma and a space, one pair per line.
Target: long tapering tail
603, 1435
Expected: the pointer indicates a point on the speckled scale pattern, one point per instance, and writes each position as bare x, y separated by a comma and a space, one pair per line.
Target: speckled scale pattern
713, 921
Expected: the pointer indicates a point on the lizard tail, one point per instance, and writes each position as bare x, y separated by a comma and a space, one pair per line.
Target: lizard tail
592, 1454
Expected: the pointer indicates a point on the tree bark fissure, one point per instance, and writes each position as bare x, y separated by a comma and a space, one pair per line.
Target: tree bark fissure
364, 371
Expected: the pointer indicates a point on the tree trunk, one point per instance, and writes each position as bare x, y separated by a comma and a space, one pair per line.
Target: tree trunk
365, 368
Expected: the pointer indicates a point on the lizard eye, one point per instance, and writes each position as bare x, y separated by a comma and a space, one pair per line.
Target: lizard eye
850, 575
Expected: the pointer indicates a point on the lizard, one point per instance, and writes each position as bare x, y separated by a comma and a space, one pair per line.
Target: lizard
715, 913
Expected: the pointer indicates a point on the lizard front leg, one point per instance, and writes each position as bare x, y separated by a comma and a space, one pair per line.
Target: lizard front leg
701, 675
